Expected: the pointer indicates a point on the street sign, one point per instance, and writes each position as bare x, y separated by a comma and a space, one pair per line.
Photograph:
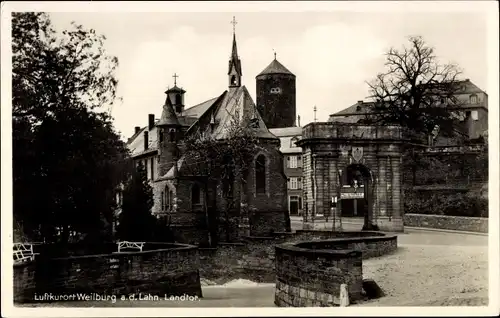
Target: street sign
352, 195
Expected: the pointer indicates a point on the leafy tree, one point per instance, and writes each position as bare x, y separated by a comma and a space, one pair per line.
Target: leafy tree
224, 164
136, 223
67, 158
416, 91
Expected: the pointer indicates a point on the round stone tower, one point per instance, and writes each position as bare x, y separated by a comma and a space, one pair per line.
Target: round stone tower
276, 95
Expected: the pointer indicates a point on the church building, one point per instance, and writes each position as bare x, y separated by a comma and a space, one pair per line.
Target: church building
179, 196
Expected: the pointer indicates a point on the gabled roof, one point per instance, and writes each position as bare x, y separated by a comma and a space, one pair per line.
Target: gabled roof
275, 68
238, 105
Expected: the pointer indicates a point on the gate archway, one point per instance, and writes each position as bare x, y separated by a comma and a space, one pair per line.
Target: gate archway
335, 154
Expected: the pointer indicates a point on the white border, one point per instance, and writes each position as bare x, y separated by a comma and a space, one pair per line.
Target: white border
489, 7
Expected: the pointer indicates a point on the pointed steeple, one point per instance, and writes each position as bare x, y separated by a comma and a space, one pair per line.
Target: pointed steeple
234, 69
168, 116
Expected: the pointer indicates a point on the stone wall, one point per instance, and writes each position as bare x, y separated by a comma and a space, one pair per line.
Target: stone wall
469, 224
171, 269
309, 274
254, 258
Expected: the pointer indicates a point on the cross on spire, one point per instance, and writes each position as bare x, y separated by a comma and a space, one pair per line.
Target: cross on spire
274, 53
175, 78
233, 22
315, 109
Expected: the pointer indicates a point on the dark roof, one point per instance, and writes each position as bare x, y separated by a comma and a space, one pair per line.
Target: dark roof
275, 68
360, 108
175, 89
168, 116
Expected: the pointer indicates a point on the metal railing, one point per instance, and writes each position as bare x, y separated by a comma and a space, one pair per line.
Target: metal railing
23, 252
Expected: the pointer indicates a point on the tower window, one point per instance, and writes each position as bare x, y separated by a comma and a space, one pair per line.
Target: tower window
473, 99
233, 80
474, 115
178, 99
260, 174
171, 135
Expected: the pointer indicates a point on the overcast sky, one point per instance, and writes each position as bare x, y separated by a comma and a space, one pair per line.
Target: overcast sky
332, 54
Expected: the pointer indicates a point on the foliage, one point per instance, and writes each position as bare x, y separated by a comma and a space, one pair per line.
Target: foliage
67, 158
136, 223
224, 162
456, 204
415, 91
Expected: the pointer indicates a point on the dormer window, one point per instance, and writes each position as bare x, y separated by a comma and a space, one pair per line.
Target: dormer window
473, 99
275, 90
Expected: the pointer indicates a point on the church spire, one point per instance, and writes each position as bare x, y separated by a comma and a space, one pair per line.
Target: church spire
234, 71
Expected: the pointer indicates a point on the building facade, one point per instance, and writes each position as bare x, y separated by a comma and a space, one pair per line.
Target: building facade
293, 166
180, 195
469, 108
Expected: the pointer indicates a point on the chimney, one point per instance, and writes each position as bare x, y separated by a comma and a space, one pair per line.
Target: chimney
146, 140
151, 121
298, 120
137, 128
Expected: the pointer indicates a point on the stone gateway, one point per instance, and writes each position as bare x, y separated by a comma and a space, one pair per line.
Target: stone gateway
360, 165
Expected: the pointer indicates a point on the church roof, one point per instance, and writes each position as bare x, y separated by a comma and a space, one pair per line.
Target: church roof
238, 105
275, 68
175, 89
168, 116
198, 110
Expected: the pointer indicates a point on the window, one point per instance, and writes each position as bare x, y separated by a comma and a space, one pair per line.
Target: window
178, 99
473, 99
294, 183
195, 194
233, 80
152, 168
474, 115
275, 90
162, 201
293, 161
300, 203
260, 174
171, 135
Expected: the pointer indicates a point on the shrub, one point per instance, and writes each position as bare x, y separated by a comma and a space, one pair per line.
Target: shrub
456, 204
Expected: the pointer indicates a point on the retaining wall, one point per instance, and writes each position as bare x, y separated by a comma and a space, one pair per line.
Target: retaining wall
160, 269
254, 259
458, 223
310, 274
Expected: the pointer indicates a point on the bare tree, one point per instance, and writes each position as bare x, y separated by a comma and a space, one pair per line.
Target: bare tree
223, 167
416, 91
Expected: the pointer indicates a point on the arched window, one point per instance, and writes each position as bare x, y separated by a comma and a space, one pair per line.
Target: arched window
163, 201
171, 135
233, 80
195, 194
168, 199
178, 99
260, 174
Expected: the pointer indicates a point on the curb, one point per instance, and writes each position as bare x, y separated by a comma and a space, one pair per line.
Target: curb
445, 230
434, 230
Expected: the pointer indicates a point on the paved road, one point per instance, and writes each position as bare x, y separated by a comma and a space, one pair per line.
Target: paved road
424, 257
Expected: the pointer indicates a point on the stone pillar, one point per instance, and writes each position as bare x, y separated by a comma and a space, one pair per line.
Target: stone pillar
335, 192
382, 189
391, 221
